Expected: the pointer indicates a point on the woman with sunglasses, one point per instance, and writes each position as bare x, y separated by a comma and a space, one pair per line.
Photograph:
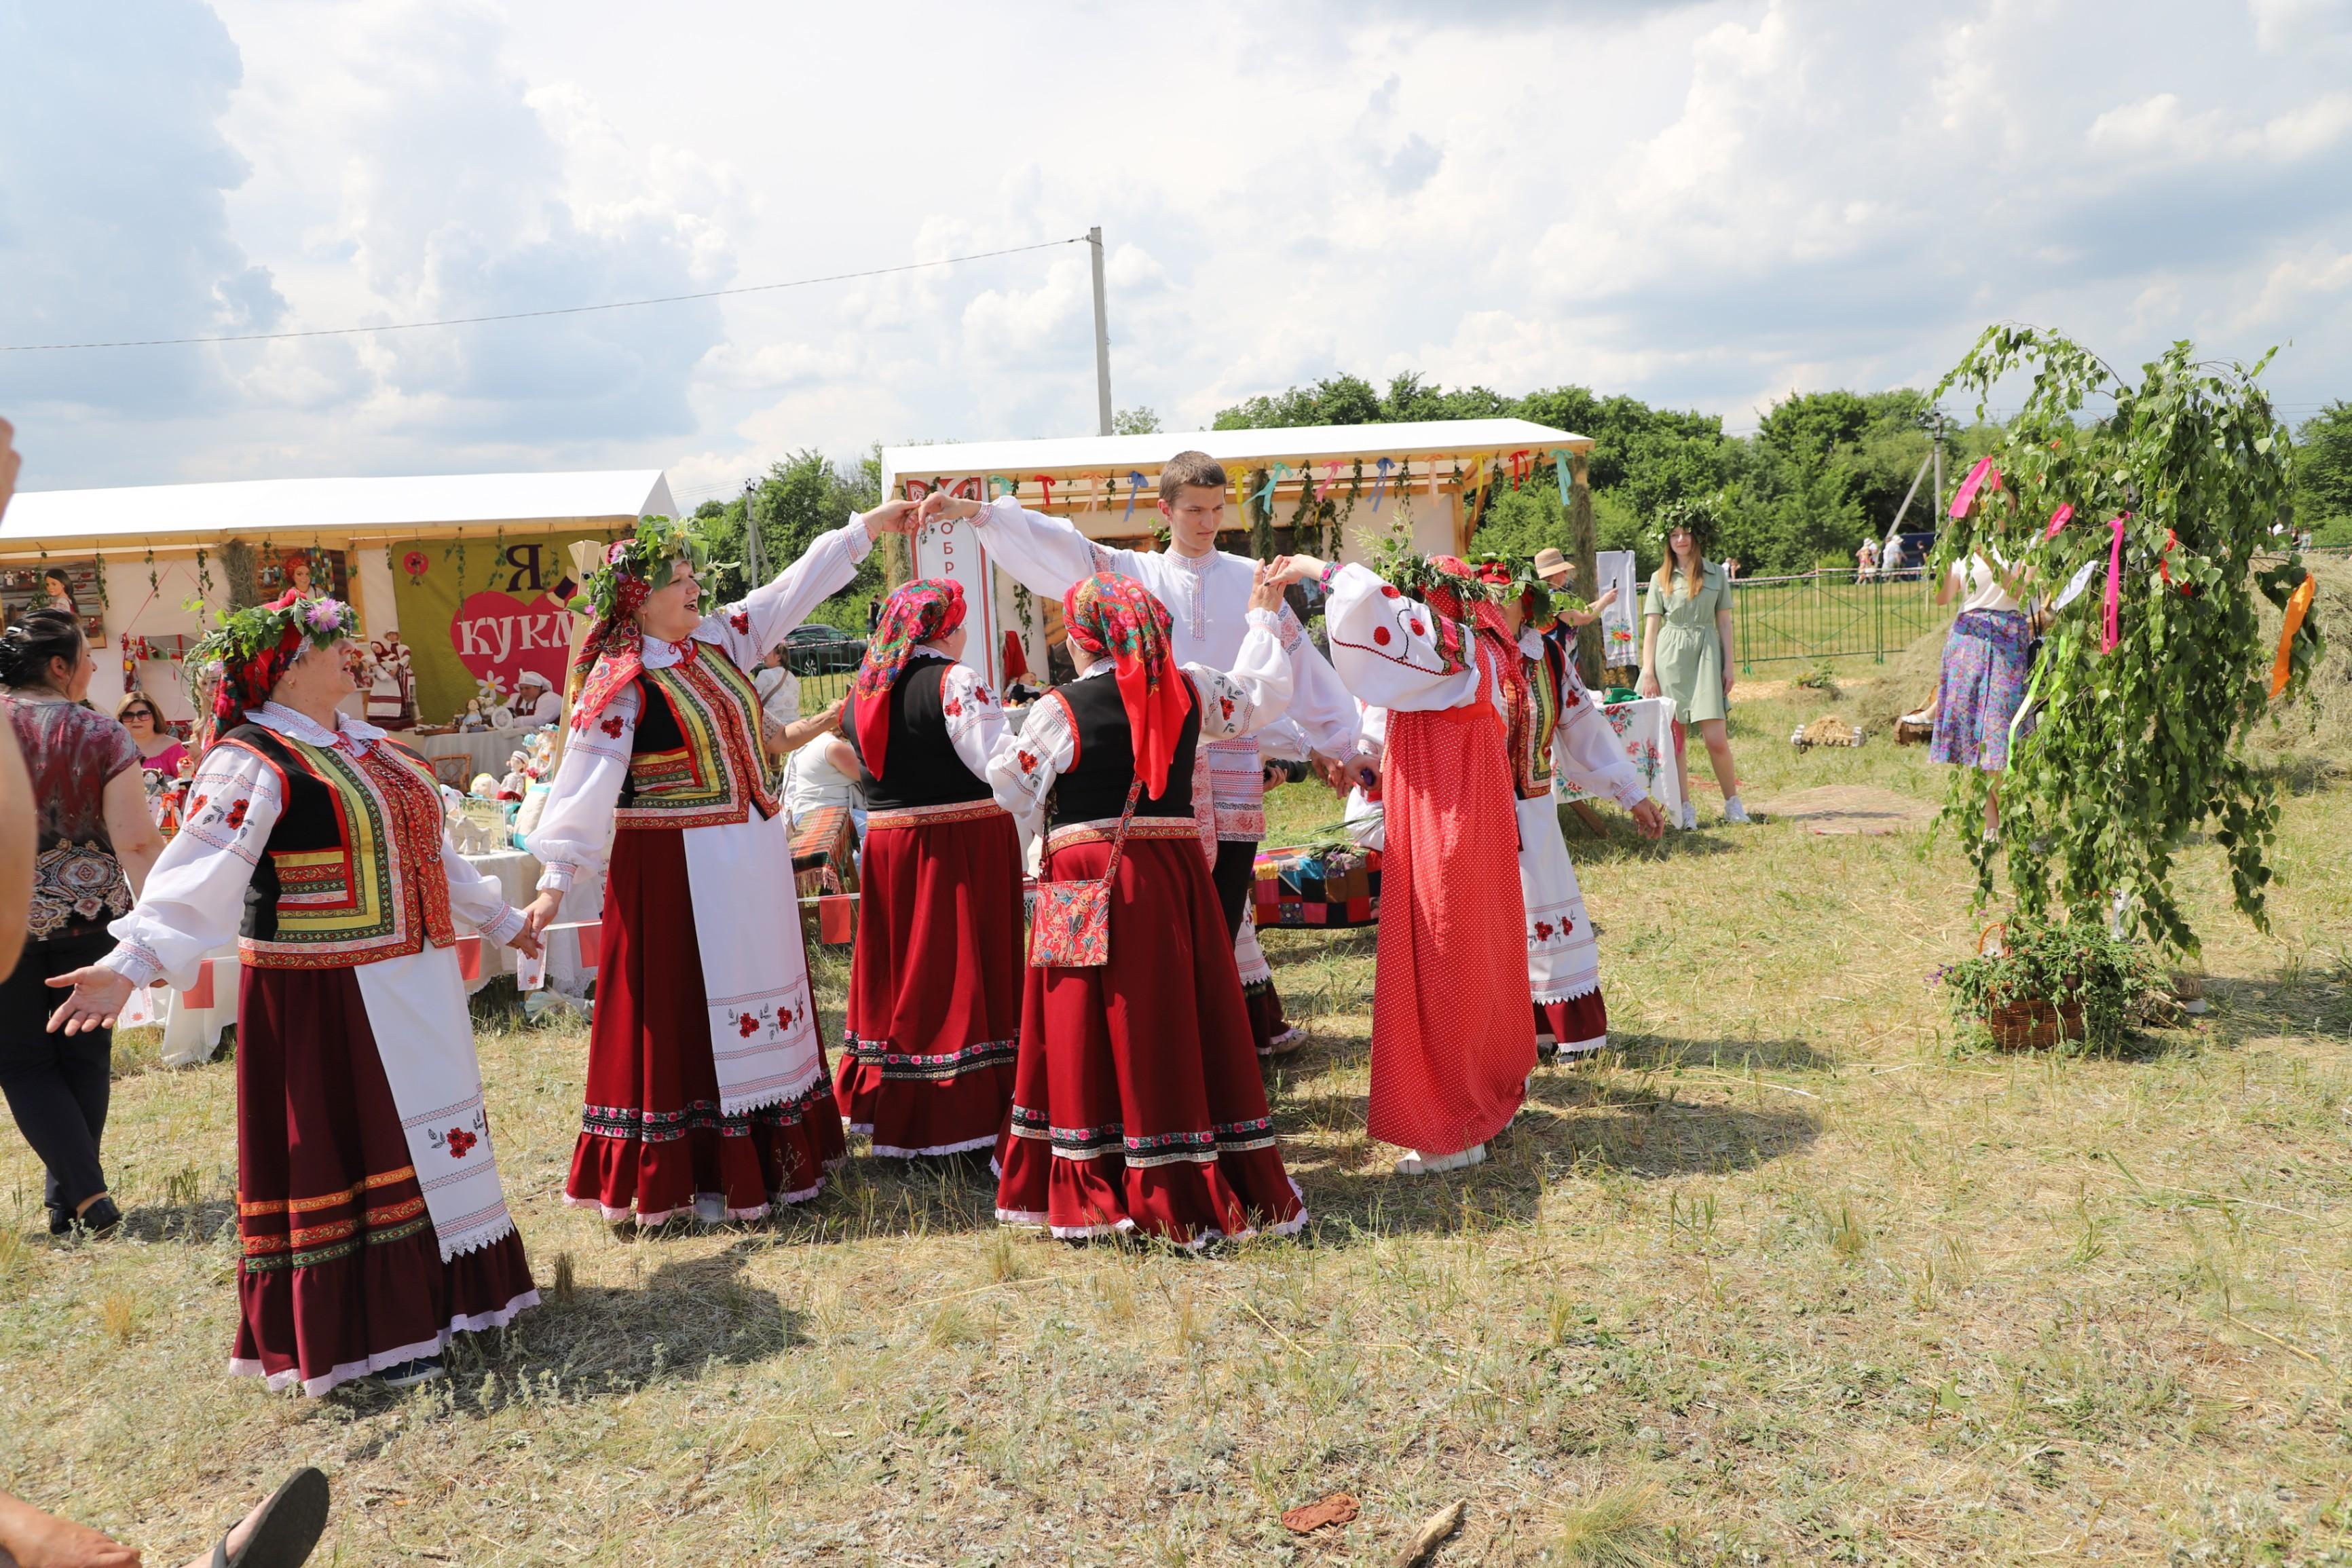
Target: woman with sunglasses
160, 751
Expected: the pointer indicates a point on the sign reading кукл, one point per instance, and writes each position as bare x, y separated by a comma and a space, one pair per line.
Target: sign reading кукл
481, 609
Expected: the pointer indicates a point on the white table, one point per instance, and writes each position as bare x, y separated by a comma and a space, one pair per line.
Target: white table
486, 751
1647, 726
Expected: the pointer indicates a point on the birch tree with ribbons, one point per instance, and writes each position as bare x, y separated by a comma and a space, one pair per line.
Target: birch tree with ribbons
2146, 523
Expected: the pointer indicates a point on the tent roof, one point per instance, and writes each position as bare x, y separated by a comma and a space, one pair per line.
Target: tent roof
336, 511
1313, 443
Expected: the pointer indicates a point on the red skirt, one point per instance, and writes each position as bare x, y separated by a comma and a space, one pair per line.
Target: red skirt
1451, 1047
652, 1139
1576, 1027
1136, 1104
934, 1012
341, 1272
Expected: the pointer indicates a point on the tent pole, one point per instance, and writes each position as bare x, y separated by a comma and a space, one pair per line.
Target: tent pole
1102, 336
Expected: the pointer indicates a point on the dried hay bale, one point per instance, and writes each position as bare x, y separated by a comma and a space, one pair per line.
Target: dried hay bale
1829, 730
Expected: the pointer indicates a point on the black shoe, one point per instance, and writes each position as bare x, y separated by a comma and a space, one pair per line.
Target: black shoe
287, 1527
408, 1374
99, 1219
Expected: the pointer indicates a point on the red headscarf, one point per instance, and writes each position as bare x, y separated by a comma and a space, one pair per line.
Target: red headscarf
1116, 617
924, 610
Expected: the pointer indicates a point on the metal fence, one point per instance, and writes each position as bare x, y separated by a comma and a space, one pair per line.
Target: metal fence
1828, 614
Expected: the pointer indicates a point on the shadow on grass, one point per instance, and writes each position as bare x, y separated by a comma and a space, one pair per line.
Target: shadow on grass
1576, 1124
603, 1341
2244, 1010
195, 1222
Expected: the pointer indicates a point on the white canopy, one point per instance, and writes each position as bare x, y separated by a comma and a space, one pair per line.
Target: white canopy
340, 513
1313, 443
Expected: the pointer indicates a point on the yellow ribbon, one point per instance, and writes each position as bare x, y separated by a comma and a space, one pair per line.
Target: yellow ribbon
2298, 605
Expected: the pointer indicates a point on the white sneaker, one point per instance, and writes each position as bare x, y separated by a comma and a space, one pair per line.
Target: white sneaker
1415, 1165
1734, 810
709, 1208
1689, 818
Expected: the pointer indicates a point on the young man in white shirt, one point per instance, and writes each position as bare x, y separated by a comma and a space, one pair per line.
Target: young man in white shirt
1207, 594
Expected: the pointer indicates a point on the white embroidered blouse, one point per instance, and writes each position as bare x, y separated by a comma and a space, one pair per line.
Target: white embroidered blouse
194, 899
575, 829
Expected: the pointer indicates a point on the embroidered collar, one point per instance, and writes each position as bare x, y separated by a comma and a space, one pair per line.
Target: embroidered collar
357, 734
1531, 642
1100, 666
1195, 564
660, 654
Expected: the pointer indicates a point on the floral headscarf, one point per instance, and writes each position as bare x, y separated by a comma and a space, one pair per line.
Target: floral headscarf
252, 649
1117, 617
924, 610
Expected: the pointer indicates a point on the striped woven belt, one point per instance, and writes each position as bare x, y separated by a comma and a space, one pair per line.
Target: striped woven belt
1106, 830
933, 815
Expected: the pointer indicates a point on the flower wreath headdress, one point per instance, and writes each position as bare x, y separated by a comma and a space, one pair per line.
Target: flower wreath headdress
1700, 514
633, 568
250, 651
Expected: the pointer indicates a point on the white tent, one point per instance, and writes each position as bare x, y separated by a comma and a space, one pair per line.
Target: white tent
1106, 485
151, 549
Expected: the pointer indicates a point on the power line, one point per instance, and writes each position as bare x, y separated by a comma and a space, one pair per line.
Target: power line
558, 311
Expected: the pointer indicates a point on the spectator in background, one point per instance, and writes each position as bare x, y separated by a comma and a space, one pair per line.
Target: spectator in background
535, 703
1686, 654
16, 848
160, 751
95, 845
1865, 561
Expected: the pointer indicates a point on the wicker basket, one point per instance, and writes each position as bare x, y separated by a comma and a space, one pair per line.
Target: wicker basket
2034, 1025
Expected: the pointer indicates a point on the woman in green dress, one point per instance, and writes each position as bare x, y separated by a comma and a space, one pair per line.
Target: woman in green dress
1686, 653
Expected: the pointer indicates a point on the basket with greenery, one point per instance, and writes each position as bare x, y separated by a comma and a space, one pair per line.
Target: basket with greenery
2036, 982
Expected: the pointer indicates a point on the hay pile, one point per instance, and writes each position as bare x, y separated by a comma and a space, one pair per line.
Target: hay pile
1826, 731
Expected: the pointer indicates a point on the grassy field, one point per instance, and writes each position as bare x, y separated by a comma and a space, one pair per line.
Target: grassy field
1793, 1276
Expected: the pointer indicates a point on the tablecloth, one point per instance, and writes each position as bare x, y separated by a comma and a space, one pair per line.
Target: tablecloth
1647, 726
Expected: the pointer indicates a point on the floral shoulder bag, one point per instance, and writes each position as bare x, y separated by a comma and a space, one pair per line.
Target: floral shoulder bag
1071, 929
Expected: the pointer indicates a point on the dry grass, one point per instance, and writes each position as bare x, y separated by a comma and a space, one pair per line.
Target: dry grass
1791, 1277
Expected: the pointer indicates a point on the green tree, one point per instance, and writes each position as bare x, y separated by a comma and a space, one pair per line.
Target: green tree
1144, 421
798, 498
2139, 747
2323, 467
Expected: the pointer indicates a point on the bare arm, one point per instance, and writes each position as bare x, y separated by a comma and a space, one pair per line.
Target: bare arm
129, 827
1648, 684
1723, 633
16, 835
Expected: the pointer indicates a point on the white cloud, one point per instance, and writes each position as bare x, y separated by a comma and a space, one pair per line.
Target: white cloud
1704, 203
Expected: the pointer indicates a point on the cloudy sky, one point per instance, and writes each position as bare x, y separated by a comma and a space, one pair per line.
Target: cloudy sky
1707, 204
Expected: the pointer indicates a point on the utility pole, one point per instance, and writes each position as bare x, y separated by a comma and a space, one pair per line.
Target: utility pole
754, 571
1936, 451
1102, 334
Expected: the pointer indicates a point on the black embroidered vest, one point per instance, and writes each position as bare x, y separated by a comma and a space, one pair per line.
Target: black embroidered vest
921, 767
1094, 787
351, 872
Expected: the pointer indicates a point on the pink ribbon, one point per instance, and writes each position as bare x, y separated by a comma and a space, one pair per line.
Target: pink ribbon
1967, 493
1331, 477
2059, 520
2110, 631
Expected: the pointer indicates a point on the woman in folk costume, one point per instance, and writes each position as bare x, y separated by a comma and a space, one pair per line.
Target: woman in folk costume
372, 1223
1560, 729
935, 982
1451, 1047
706, 1090
1136, 1104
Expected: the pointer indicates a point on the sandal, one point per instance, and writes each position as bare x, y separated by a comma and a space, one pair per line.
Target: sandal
285, 1529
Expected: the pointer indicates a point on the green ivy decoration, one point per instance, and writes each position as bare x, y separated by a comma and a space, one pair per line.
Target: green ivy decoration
2078, 962
2135, 750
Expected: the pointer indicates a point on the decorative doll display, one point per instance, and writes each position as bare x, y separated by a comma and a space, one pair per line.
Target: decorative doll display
518, 779
471, 721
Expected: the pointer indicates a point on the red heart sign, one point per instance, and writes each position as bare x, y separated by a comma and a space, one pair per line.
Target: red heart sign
497, 633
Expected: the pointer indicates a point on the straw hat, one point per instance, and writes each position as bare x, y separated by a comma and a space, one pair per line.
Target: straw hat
1553, 567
